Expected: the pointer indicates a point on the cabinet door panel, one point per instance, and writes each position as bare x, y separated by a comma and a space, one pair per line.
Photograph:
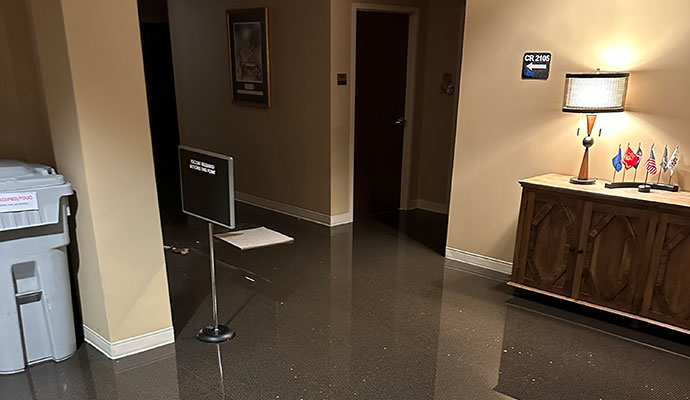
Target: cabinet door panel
667, 295
551, 230
610, 255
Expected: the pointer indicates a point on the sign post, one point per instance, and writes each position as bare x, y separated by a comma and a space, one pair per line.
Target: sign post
208, 194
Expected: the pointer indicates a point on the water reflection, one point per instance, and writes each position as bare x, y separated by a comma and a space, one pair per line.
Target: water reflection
220, 370
547, 357
368, 313
90, 375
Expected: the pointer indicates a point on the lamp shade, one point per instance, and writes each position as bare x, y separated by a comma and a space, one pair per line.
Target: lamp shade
596, 92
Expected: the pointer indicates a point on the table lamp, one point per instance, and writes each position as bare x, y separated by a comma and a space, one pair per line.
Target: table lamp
592, 93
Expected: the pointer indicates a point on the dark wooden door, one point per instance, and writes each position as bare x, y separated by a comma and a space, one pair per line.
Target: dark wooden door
667, 294
610, 255
381, 75
550, 233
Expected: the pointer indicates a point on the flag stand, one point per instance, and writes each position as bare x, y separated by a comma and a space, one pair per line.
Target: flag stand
645, 186
636, 185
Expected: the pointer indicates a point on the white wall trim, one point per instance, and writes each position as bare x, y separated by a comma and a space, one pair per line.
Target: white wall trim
293, 211
130, 346
427, 205
340, 219
478, 260
410, 95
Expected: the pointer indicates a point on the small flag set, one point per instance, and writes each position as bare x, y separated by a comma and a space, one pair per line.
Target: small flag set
632, 159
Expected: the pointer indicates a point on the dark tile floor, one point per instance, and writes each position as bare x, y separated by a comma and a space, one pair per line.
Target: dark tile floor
368, 312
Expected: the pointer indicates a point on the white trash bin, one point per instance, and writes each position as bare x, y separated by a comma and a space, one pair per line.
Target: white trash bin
36, 318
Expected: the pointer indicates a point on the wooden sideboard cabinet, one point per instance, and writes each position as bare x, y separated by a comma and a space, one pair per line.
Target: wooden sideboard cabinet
613, 249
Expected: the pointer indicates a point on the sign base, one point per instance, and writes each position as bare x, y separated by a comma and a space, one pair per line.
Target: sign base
215, 334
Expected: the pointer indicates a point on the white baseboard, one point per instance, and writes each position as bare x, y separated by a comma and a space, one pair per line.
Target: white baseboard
340, 219
293, 211
428, 206
478, 260
130, 346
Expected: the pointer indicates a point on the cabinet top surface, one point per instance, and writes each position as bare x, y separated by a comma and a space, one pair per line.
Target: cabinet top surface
559, 182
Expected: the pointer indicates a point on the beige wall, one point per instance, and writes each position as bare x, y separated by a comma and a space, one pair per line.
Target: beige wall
340, 25
341, 35
510, 129
433, 119
434, 141
281, 154
297, 153
92, 72
24, 132
438, 46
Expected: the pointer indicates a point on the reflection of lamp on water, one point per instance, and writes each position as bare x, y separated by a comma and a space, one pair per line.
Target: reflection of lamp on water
593, 93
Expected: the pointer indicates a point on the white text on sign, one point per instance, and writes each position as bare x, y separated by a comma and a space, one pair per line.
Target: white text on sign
202, 166
537, 57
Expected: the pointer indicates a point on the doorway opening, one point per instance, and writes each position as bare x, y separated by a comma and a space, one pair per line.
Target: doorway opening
401, 168
384, 63
162, 106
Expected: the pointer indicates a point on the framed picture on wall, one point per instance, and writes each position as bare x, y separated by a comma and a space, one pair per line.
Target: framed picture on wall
250, 69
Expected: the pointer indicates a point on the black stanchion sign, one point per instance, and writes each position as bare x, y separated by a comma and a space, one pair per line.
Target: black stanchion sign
207, 186
536, 65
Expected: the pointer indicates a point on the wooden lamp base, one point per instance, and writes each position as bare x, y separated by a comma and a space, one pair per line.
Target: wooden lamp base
586, 181
582, 177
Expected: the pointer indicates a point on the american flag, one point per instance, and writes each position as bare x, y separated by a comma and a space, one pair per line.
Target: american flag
651, 163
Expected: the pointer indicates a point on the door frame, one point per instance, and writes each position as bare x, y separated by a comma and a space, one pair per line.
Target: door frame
410, 89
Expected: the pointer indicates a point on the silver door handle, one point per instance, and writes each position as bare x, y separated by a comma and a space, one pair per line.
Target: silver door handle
400, 121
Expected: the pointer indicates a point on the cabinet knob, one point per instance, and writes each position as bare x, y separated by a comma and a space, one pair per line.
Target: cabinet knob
580, 251
572, 249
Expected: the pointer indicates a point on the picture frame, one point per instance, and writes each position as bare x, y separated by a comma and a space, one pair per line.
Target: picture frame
249, 56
